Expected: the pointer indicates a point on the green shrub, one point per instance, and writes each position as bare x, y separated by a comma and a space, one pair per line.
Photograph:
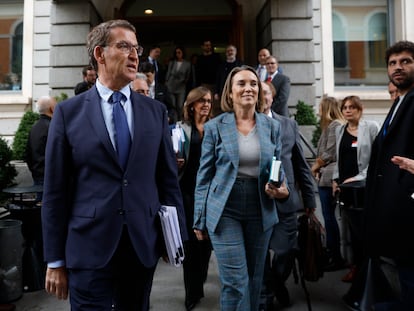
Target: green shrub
305, 115
7, 170
22, 134
61, 97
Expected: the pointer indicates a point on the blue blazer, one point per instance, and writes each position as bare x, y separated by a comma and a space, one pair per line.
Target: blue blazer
219, 165
88, 198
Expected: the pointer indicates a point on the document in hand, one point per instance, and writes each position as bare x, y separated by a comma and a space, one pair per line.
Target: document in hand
276, 173
172, 234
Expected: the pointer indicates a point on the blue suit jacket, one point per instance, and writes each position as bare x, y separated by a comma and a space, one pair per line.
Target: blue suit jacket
88, 197
219, 165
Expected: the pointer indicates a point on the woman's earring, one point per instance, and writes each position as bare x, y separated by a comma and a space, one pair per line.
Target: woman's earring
192, 109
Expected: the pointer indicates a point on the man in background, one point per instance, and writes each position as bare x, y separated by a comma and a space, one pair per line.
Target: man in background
36, 143
261, 67
393, 91
89, 78
159, 91
153, 59
140, 84
389, 210
281, 84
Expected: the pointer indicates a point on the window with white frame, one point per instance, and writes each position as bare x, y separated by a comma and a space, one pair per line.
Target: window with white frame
360, 38
11, 45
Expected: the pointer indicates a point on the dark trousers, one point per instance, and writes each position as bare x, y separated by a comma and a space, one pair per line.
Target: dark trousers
197, 254
125, 283
331, 225
195, 268
281, 256
406, 303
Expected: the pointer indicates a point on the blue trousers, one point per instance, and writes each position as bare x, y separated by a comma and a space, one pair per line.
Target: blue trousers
331, 225
240, 246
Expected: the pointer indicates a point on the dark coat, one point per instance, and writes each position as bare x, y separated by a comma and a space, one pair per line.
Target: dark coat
389, 197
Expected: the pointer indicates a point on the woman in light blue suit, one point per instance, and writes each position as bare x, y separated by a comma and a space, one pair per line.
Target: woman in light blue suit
234, 202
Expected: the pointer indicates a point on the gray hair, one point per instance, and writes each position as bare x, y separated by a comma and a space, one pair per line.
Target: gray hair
44, 103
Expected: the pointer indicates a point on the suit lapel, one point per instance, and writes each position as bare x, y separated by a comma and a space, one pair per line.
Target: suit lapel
138, 113
93, 111
228, 133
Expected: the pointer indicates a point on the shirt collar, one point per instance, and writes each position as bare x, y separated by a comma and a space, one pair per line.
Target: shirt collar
105, 92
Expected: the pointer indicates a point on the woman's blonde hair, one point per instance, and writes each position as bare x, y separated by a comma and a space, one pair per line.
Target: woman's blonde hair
330, 111
193, 96
227, 103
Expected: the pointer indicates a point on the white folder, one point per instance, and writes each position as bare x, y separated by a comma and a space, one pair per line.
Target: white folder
172, 234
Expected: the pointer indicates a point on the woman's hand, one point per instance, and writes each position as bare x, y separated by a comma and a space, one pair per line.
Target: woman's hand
335, 188
201, 234
277, 193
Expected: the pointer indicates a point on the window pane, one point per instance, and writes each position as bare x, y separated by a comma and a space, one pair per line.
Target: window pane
11, 45
359, 42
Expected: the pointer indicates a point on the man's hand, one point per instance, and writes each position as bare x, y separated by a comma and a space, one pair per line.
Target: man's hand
404, 163
57, 282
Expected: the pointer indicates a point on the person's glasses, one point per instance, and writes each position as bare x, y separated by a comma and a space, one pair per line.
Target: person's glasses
271, 63
128, 48
204, 101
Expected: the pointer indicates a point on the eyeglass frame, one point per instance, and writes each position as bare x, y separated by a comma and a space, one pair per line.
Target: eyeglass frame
126, 47
203, 101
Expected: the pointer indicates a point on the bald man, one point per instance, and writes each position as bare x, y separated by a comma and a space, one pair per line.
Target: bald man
36, 143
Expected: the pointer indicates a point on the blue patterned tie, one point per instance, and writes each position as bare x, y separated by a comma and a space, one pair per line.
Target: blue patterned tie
122, 135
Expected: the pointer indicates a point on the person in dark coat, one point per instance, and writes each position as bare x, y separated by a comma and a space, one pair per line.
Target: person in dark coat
389, 188
36, 143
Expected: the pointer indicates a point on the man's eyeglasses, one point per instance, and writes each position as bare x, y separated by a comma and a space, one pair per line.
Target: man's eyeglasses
271, 63
128, 48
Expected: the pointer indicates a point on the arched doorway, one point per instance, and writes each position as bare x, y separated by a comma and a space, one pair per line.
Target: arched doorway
187, 23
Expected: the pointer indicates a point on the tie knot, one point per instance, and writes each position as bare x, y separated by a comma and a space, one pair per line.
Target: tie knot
116, 97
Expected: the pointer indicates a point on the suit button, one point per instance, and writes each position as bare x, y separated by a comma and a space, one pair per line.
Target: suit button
121, 211
125, 182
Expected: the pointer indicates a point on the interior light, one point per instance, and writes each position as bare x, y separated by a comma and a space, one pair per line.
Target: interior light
148, 11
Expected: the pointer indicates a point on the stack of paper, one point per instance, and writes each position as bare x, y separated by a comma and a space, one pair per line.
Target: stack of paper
172, 234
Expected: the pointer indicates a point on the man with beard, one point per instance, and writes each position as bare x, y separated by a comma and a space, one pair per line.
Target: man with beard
390, 188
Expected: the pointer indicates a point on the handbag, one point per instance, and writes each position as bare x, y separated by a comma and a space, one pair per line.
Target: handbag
312, 247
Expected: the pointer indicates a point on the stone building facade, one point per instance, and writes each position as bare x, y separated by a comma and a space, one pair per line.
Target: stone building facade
303, 34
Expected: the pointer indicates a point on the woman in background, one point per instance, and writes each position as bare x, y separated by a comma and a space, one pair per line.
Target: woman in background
353, 151
176, 79
197, 111
330, 118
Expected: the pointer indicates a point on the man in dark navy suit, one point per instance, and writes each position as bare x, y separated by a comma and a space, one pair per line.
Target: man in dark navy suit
110, 165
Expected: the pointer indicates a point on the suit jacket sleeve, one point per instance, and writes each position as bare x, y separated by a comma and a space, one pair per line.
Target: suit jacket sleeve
303, 176
205, 174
